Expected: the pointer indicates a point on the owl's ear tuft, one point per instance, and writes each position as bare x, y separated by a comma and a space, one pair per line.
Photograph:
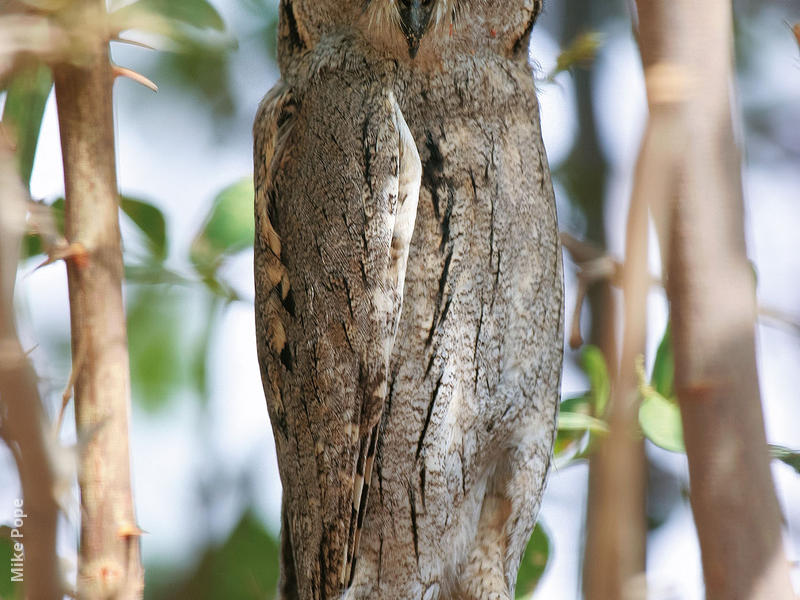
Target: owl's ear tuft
289, 32
522, 42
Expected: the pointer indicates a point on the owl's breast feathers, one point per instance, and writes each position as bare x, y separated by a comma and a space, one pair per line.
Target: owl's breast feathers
337, 179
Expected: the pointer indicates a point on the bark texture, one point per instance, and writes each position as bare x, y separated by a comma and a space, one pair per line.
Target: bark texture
109, 562
687, 53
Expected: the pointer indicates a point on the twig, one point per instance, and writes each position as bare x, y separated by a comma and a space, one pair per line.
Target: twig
594, 266
779, 318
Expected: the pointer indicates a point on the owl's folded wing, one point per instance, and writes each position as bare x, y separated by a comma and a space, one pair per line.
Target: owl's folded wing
337, 184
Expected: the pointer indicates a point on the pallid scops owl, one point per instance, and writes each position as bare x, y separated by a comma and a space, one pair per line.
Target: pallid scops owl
408, 296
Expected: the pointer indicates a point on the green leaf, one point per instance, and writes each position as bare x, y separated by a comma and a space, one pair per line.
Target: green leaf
594, 365
659, 413
568, 421
150, 221
47, 5
580, 52
663, 377
786, 455
577, 404
23, 113
534, 562
660, 420
566, 439
201, 67
162, 342
229, 228
243, 568
144, 14
154, 273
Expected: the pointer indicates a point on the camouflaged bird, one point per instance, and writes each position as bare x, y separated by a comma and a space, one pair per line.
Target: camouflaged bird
408, 296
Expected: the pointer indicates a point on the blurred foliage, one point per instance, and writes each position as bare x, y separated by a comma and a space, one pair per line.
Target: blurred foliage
9, 590
201, 61
202, 68
228, 229
659, 413
580, 419
534, 562
660, 416
787, 456
263, 16
662, 379
594, 365
580, 52
150, 221
168, 351
244, 567
22, 114
155, 15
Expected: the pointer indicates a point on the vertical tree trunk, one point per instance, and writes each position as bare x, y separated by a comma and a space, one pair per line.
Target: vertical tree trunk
22, 423
615, 521
109, 550
616, 531
687, 52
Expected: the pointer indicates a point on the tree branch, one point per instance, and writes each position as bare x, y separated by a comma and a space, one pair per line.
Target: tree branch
109, 555
687, 53
22, 423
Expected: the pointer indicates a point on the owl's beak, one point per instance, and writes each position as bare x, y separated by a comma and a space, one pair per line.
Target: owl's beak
414, 17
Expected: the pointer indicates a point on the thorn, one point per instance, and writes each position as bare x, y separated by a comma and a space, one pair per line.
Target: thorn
128, 530
75, 251
122, 40
77, 365
133, 75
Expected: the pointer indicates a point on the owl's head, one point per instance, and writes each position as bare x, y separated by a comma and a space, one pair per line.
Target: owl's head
415, 25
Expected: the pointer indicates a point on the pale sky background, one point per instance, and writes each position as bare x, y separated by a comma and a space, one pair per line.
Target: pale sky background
167, 152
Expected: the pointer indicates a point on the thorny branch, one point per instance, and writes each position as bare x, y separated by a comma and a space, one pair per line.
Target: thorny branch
109, 560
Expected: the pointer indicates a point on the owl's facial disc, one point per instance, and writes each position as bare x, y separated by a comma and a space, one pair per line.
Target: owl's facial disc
415, 15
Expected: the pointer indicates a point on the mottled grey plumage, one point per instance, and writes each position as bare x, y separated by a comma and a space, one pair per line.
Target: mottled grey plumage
468, 387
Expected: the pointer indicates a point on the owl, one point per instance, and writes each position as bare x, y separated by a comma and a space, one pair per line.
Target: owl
408, 296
